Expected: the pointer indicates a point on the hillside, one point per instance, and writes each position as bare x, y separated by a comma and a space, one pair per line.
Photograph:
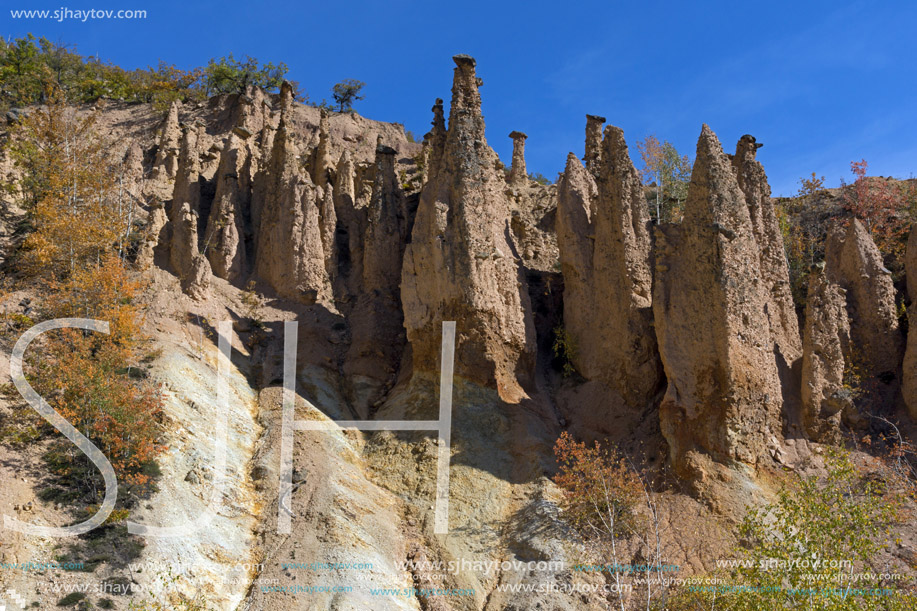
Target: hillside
328, 252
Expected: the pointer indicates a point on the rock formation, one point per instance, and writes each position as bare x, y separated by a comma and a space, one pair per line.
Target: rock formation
437, 140
825, 342
194, 272
605, 250
250, 113
289, 253
460, 264
226, 228
723, 398
185, 257
853, 261
518, 174
593, 142
157, 219
909, 368
576, 196
165, 165
322, 165
781, 312
377, 322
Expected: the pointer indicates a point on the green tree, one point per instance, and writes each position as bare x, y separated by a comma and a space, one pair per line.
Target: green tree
669, 172
22, 73
346, 93
813, 548
229, 75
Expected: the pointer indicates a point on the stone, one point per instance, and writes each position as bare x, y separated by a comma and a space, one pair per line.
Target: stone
593, 142
518, 174
825, 341
165, 165
289, 254
909, 367
605, 252
781, 311
723, 399
225, 241
463, 212
436, 138
853, 261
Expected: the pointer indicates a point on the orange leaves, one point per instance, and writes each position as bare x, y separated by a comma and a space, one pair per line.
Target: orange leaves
105, 292
882, 205
87, 385
70, 191
87, 376
601, 489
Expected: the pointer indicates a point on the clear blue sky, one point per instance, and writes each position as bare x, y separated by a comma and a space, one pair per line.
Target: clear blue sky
819, 83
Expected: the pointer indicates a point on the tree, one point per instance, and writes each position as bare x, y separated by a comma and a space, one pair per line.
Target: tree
87, 377
229, 75
21, 72
609, 504
882, 206
811, 186
669, 171
346, 93
69, 190
815, 547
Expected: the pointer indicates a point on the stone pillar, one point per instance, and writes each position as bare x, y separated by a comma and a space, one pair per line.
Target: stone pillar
518, 175
593, 142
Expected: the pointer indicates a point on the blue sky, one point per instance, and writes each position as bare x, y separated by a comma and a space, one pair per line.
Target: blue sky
819, 83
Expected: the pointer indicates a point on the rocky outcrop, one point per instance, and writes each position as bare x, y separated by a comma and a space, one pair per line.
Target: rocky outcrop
225, 242
460, 264
909, 368
185, 257
157, 219
377, 325
576, 196
289, 253
436, 138
825, 342
605, 250
165, 166
250, 113
386, 228
194, 271
723, 398
775, 274
593, 154
322, 165
853, 261
518, 174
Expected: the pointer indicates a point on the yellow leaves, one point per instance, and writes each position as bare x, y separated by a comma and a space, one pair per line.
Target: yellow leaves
78, 214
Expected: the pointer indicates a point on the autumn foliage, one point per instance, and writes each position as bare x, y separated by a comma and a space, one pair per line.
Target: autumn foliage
87, 376
601, 490
883, 206
69, 189
75, 255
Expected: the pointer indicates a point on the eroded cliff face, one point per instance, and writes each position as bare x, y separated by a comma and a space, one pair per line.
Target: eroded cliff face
185, 256
909, 367
461, 264
854, 263
316, 212
605, 253
825, 342
781, 312
374, 357
723, 397
289, 255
